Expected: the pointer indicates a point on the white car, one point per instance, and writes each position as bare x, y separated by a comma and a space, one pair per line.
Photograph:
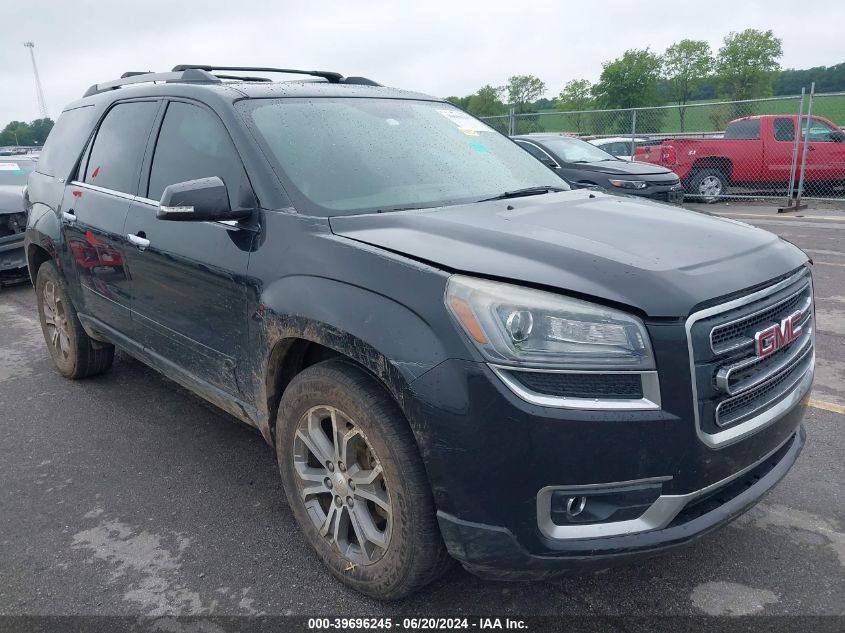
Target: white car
619, 146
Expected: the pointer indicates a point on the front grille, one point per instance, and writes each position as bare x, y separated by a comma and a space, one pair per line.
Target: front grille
733, 384
572, 385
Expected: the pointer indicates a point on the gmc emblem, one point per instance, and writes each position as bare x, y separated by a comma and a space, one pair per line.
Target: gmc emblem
776, 336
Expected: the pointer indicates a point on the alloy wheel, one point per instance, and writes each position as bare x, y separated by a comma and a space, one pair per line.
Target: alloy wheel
342, 484
56, 321
710, 186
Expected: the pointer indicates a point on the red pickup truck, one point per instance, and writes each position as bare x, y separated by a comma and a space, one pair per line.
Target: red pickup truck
755, 151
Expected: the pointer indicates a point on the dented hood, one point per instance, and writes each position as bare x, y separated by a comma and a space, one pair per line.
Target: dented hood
660, 259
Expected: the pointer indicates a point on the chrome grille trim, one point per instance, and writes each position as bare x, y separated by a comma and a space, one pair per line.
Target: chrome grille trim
724, 349
724, 375
785, 399
767, 401
649, 402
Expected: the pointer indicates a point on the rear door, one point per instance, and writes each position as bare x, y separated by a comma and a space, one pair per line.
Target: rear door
94, 210
189, 292
779, 148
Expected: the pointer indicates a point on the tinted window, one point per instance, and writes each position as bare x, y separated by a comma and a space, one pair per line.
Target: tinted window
64, 143
574, 150
118, 149
535, 151
14, 172
193, 144
342, 156
749, 129
784, 130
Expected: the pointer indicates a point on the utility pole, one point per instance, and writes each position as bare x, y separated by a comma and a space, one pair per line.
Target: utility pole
42, 105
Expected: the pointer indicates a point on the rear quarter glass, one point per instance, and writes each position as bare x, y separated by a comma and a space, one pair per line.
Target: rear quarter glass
65, 142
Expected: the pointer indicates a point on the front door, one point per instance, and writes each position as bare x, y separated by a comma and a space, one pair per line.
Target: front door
94, 211
188, 278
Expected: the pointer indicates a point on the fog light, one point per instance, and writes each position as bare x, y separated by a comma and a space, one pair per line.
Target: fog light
597, 505
575, 506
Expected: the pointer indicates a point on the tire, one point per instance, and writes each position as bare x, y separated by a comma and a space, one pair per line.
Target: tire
402, 548
74, 353
708, 184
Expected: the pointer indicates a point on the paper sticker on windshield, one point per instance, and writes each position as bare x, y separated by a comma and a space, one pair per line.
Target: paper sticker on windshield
465, 122
10, 167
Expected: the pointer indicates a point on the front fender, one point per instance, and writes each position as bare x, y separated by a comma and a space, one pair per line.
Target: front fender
393, 342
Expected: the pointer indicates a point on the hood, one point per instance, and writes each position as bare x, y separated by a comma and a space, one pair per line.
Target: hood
624, 168
660, 259
11, 199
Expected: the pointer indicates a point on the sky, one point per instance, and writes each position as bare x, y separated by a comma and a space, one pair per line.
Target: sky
433, 46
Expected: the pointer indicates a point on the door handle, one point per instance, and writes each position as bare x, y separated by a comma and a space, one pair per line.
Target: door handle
811, 148
139, 240
68, 217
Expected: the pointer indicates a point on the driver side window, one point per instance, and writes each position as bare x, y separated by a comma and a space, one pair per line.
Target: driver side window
193, 144
818, 131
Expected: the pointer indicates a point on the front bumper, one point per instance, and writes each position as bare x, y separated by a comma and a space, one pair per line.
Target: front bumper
489, 455
493, 551
12, 258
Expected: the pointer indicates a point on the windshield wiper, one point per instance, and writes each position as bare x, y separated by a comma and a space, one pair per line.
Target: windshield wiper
527, 191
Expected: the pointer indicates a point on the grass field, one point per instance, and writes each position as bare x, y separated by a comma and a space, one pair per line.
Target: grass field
701, 116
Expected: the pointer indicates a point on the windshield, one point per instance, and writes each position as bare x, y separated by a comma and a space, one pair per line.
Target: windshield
14, 172
574, 150
346, 156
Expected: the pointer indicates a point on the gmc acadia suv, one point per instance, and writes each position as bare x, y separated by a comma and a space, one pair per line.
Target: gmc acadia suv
452, 354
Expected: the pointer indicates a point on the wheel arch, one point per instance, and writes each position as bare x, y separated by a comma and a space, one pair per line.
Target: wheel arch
721, 163
310, 319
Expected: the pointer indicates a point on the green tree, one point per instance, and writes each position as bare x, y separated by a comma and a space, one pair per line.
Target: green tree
685, 66
486, 102
576, 97
41, 129
522, 90
461, 102
747, 62
630, 82
16, 133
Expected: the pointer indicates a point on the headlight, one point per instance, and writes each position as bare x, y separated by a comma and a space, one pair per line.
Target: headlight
629, 184
514, 325
16, 222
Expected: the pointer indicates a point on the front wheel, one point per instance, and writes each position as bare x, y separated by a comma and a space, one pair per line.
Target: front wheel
355, 482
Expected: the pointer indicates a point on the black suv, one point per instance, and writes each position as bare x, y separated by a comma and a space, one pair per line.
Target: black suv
452, 354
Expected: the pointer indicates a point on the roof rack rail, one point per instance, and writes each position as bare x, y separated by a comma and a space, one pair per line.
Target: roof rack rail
330, 76
196, 73
190, 75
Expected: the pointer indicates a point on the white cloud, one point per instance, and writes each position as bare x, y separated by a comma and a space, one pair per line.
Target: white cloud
436, 46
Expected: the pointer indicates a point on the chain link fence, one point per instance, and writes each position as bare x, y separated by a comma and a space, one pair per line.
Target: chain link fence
718, 149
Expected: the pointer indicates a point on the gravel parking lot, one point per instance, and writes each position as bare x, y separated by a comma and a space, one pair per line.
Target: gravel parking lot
127, 495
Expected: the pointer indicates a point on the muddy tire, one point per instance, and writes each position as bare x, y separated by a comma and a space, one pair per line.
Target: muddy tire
708, 184
355, 482
74, 353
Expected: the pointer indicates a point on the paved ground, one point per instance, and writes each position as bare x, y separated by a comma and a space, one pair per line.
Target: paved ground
127, 495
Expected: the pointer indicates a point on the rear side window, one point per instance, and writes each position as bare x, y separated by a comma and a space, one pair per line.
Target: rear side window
749, 129
115, 159
194, 144
784, 130
64, 144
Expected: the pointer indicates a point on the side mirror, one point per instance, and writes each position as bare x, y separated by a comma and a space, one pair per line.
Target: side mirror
837, 136
548, 162
204, 199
